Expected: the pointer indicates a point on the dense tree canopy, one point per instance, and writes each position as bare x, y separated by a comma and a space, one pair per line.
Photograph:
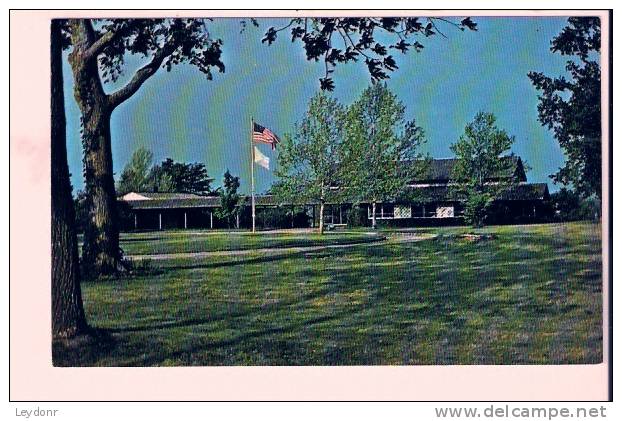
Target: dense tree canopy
139, 175
181, 177
571, 106
166, 42
570, 206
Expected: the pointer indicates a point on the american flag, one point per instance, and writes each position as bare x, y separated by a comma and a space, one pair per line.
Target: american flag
262, 134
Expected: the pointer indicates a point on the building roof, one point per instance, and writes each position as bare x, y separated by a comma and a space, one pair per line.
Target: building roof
140, 200
432, 187
440, 170
527, 191
144, 200
443, 193
133, 196
426, 194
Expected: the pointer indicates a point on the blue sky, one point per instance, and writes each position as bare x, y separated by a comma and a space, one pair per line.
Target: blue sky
181, 115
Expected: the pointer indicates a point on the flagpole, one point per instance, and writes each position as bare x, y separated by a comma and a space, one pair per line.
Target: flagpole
252, 176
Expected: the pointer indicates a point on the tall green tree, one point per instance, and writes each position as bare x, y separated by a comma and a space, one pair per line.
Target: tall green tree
382, 150
309, 161
570, 105
230, 200
68, 317
136, 174
483, 171
99, 49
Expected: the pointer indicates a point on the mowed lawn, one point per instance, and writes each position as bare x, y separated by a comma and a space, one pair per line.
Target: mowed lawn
528, 295
167, 242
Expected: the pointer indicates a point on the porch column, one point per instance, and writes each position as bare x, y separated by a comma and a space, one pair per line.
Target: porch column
237, 220
292, 217
185, 220
160, 219
340, 215
313, 218
136, 220
211, 219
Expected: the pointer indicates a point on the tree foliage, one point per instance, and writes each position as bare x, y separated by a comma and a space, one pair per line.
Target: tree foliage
99, 48
309, 160
181, 177
570, 206
570, 106
139, 175
343, 40
167, 42
136, 175
481, 173
382, 152
230, 200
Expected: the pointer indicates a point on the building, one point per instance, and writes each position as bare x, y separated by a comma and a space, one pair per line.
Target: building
430, 202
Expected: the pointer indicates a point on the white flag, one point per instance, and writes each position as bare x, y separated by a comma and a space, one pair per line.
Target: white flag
261, 159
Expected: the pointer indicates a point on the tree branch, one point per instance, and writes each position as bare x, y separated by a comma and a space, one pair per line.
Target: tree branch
357, 49
141, 75
436, 27
100, 44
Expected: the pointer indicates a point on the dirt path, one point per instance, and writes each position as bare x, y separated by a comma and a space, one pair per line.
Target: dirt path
392, 239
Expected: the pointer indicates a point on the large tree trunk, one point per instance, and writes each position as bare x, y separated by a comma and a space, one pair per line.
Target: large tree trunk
67, 311
100, 252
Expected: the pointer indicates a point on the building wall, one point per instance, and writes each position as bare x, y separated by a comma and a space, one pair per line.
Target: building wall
389, 214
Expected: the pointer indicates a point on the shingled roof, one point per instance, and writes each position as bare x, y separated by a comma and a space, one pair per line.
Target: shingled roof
438, 193
440, 170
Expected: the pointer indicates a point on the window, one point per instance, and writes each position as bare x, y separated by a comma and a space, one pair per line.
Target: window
402, 212
444, 211
383, 211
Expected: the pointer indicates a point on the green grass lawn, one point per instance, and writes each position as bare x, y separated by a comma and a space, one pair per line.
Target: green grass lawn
529, 295
165, 242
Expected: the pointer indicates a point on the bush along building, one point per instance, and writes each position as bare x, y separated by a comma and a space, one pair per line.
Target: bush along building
427, 201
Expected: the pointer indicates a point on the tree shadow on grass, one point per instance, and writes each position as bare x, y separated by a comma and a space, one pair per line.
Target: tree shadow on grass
199, 246
92, 345
263, 344
233, 261
138, 239
397, 307
257, 341
276, 306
